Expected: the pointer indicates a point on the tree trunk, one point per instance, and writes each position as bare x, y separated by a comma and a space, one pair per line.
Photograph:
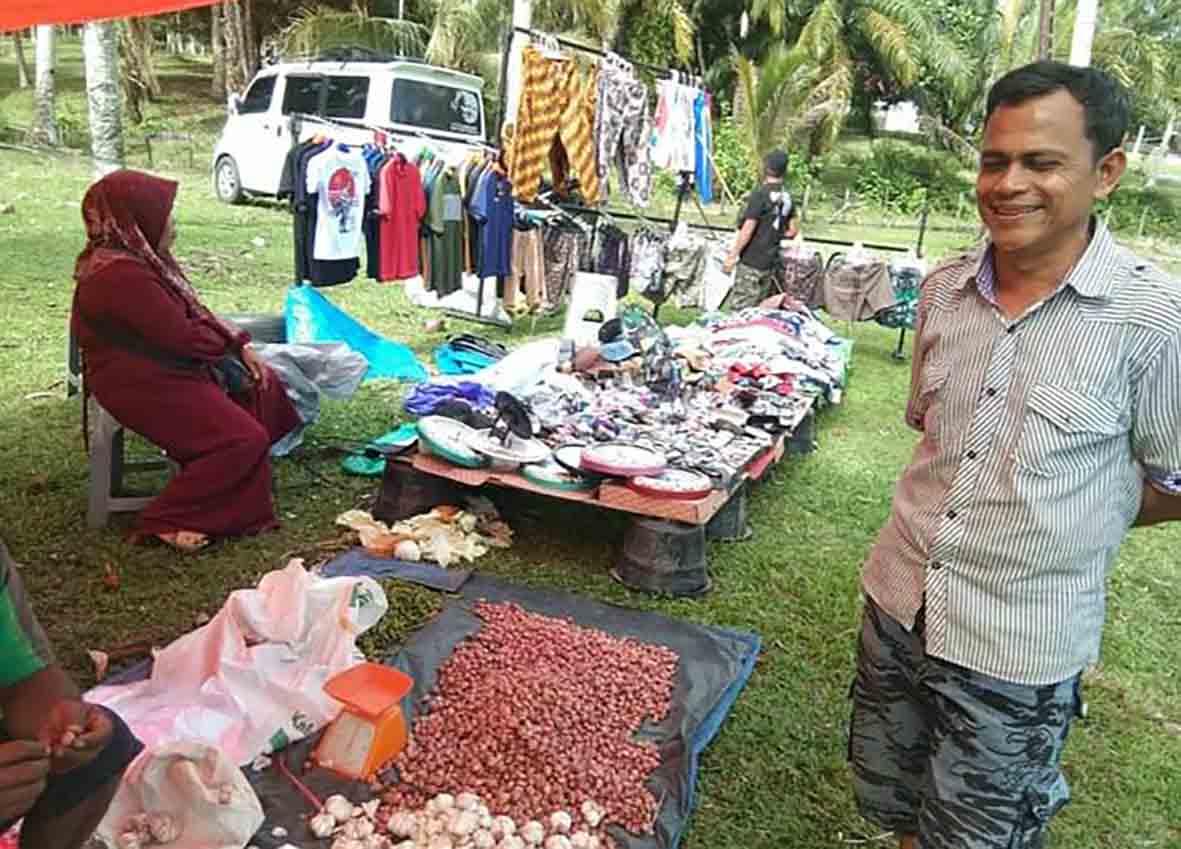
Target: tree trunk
101, 55
22, 67
44, 113
236, 73
218, 46
138, 63
249, 39
1045, 31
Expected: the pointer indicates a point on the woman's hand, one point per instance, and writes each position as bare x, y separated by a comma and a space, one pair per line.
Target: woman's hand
257, 368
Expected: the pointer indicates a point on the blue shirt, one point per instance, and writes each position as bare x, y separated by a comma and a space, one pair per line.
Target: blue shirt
492, 207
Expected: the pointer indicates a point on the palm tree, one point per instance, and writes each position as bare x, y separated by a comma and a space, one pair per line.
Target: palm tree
44, 111
896, 35
319, 28
782, 97
101, 55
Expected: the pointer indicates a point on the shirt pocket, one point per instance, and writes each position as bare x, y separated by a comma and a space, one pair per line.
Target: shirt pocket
1066, 430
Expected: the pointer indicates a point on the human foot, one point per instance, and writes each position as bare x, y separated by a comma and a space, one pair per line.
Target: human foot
184, 540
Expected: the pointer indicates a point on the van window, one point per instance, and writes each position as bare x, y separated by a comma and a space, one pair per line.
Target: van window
258, 96
303, 95
346, 97
437, 107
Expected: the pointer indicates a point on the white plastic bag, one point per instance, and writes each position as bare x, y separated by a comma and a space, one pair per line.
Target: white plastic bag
252, 679
205, 794
718, 283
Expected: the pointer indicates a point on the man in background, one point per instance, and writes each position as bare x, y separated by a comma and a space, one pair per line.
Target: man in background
769, 217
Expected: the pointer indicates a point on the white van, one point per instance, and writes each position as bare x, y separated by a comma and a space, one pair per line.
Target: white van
402, 96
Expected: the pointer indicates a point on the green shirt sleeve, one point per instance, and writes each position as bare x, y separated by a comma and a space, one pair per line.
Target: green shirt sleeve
23, 647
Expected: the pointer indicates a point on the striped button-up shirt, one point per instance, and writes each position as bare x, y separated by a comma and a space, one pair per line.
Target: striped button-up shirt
1037, 436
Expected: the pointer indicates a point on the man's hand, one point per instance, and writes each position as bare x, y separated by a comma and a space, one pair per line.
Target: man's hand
75, 732
729, 263
24, 767
257, 368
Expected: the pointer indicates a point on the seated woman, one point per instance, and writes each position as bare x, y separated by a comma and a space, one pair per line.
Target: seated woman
155, 358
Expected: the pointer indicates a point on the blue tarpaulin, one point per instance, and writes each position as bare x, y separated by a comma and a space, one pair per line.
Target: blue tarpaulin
311, 317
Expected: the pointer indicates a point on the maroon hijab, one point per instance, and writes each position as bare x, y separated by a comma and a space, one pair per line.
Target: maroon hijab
125, 214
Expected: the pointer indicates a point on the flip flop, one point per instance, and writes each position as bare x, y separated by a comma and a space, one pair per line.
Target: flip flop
194, 541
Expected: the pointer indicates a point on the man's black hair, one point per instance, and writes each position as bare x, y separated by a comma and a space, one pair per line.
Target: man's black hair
1104, 101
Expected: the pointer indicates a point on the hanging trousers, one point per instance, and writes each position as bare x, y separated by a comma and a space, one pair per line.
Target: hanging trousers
623, 127
555, 110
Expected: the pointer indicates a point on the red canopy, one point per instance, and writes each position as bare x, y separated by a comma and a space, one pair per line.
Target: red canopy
17, 14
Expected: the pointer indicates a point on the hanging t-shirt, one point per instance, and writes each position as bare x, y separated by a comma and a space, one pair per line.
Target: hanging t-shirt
445, 219
492, 206
703, 147
673, 136
341, 178
402, 204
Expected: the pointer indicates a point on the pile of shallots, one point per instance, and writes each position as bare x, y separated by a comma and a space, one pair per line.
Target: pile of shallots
464, 822
536, 715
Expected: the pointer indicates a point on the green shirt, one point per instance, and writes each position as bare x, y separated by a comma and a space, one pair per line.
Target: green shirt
23, 647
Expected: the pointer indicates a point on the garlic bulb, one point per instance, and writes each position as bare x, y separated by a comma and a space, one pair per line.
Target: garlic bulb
533, 832
511, 841
592, 813
278, 832
129, 840
347, 843
408, 550
444, 802
403, 824
357, 829
580, 840
467, 801
440, 841
322, 824
369, 808
464, 823
594, 842
483, 839
560, 821
406, 844
340, 808
503, 826
557, 841
485, 820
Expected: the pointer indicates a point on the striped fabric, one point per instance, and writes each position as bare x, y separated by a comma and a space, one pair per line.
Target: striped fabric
555, 107
1037, 434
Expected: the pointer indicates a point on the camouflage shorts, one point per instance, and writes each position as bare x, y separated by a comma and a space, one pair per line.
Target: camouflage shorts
751, 287
959, 758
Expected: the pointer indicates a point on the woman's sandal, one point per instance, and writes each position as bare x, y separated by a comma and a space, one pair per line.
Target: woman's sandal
186, 541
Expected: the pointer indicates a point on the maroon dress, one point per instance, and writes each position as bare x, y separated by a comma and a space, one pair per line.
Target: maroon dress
148, 345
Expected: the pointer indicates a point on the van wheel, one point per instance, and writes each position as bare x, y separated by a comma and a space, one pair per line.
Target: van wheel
226, 182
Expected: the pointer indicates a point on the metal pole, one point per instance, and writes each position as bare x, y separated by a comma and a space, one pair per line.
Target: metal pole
510, 95
1084, 32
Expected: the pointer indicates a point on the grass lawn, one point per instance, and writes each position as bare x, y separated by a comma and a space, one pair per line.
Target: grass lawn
775, 777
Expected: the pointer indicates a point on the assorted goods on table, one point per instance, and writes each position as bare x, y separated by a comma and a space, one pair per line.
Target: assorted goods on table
676, 412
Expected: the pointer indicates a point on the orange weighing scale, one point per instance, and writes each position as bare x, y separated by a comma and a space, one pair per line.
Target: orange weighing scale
371, 729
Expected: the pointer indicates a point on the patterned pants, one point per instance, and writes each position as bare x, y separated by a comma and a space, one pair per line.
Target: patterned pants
555, 109
751, 287
561, 262
961, 759
623, 125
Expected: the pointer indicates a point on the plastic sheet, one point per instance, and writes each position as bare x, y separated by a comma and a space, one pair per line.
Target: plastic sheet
359, 562
309, 370
311, 317
715, 665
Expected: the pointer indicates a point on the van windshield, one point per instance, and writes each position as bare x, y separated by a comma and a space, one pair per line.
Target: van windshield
433, 106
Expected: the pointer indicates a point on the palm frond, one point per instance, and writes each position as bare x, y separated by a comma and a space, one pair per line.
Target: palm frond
774, 12
823, 32
891, 44
318, 28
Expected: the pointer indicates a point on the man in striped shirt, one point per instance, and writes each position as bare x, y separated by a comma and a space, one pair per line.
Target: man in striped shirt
60, 758
1047, 387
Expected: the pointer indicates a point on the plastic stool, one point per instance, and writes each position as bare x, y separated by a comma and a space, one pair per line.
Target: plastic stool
107, 466
590, 295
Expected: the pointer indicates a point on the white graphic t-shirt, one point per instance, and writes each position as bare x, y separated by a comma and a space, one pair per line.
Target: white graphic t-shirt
341, 179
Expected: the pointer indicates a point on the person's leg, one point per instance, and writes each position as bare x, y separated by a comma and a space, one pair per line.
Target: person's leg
994, 781
889, 735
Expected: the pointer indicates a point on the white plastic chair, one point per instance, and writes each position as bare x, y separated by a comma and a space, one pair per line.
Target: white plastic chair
593, 302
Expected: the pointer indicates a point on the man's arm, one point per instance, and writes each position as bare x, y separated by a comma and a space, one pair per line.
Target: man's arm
745, 233
793, 224
1157, 506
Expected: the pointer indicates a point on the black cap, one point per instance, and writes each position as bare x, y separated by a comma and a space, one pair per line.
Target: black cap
776, 163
